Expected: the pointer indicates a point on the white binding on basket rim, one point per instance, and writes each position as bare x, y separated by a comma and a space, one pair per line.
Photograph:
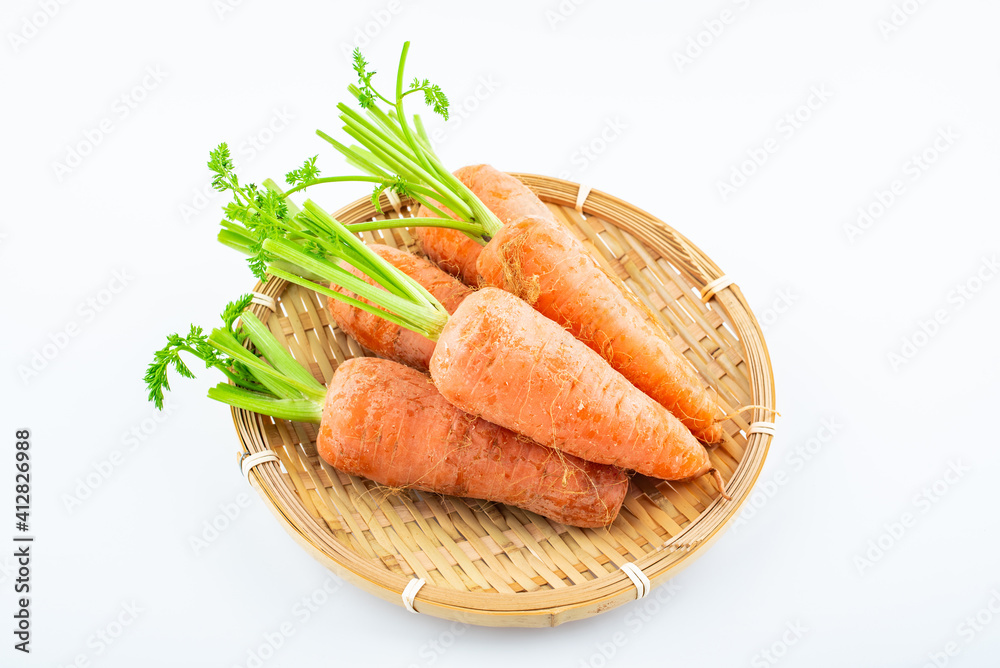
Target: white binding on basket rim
581, 196
712, 287
410, 593
248, 461
768, 428
638, 578
264, 300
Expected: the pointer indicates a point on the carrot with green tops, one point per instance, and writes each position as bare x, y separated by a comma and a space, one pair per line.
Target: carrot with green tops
534, 245
529, 254
389, 339
375, 333
388, 423
498, 358
502, 194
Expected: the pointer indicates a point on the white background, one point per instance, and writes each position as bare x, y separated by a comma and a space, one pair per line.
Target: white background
837, 306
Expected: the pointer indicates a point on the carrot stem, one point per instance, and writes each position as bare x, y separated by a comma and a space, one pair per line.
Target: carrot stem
392, 223
276, 385
299, 410
391, 145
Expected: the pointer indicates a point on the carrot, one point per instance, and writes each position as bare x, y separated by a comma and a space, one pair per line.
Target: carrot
498, 358
502, 360
387, 422
503, 194
398, 155
578, 293
388, 339
539, 259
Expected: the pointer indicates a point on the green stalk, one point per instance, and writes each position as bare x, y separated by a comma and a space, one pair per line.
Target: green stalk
242, 243
334, 179
394, 223
299, 410
268, 346
274, 380
275, 188
383, 271
276, 385
357, 303
423, 318
394, 146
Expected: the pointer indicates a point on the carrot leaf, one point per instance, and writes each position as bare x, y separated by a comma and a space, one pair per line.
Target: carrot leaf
276, 383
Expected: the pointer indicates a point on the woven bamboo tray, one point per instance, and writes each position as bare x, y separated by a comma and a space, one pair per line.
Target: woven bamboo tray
496, 565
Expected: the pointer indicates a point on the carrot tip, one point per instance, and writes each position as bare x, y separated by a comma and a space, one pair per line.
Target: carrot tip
718, 483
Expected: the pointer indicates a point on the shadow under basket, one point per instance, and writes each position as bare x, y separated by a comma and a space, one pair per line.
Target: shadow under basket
495, 565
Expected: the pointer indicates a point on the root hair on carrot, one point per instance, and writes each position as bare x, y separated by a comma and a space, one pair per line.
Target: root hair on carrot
718, 483
741, 409
516, 282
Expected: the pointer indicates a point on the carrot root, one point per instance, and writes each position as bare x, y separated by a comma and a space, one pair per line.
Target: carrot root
719, 483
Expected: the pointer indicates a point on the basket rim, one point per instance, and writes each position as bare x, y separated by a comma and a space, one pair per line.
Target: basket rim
546, 607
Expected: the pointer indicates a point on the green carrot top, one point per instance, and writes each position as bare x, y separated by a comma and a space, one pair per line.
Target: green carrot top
309, 247
275, 385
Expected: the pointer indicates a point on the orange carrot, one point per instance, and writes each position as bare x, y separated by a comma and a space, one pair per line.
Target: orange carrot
540, 259
502, 194
386, 422
537, 258
398, 155
388, 339
499, 359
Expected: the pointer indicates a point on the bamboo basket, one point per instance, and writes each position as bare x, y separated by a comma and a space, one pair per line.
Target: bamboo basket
495, 565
